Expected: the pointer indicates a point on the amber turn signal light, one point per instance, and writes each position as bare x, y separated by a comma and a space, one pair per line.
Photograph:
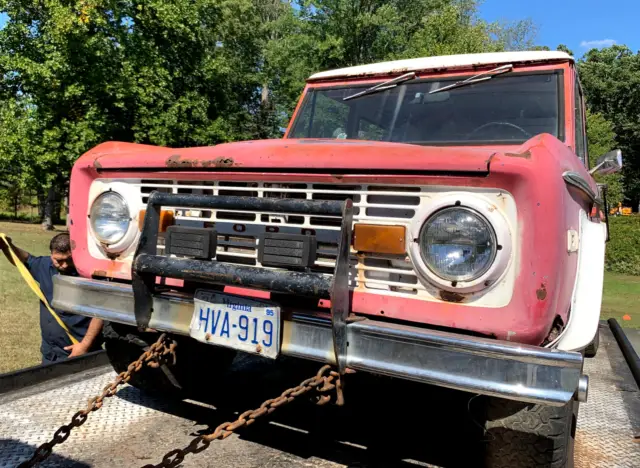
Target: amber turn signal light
379, 239
166, 220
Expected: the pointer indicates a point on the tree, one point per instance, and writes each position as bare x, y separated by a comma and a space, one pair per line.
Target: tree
174, 73
611, 81
564, 48
352, 32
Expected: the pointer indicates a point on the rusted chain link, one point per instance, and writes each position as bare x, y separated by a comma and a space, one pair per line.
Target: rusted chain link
323, 382
160, 352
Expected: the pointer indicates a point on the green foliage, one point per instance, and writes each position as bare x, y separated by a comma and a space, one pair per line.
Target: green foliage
176, 73
17, 157
611, 80
623, 249
349, 32
564, 48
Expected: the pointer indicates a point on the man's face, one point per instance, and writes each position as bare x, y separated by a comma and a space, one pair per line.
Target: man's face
62, 261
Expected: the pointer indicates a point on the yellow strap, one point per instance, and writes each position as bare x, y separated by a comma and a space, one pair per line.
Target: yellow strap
33, 284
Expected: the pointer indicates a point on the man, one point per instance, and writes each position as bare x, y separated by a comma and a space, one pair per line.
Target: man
56, 345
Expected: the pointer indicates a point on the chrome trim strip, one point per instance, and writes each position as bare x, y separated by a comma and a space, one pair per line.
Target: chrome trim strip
478, 365
576, 180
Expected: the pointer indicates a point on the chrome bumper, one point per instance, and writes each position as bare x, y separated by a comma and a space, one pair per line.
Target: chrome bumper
478, 365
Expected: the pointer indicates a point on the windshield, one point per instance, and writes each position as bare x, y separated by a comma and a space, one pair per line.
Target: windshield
507, 109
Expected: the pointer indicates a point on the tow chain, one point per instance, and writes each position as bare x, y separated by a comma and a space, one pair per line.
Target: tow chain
159, 353
162, 352
323, 382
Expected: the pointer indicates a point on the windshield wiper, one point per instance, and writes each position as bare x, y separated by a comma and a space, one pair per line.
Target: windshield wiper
484, 76
382, 86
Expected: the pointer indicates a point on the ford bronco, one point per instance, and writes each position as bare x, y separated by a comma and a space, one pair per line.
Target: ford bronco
432, 219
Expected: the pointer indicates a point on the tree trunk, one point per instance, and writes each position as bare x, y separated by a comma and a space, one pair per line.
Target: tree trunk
16, 204
57, 207
49, 205
66, 211
41, 200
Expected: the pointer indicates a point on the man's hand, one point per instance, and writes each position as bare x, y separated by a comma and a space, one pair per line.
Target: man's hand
95, 326
21, 254
4, 245
78, 349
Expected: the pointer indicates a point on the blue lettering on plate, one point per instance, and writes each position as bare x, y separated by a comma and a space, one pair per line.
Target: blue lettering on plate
214, 322
225, 326
270, 313
204, 318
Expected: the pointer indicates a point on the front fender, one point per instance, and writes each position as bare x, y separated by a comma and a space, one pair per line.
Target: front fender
586, 300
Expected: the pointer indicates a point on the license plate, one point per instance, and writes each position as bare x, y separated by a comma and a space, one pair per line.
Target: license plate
236, 322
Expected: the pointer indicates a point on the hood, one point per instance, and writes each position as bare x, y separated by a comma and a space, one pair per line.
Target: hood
291, 155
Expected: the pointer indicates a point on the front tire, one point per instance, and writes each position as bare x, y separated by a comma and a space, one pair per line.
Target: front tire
592, 349
528, 435
197, 366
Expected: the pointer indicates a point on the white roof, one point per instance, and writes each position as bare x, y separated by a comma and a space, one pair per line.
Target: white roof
444, 62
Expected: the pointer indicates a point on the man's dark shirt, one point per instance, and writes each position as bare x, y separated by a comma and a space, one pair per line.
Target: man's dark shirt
54, 338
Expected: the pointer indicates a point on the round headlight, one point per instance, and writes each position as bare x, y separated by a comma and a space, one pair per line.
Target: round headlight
110, 218
458, 244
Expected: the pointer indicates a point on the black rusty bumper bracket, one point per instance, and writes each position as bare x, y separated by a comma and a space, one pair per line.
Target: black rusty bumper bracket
147, 265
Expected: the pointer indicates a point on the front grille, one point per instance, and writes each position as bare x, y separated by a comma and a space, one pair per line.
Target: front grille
238, 231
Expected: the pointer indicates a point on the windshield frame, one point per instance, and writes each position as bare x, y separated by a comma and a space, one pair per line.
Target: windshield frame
311, 89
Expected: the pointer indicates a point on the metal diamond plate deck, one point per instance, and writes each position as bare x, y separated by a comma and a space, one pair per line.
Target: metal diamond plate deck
610, 420
413, 426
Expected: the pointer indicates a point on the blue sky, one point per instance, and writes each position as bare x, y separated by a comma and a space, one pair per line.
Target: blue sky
580, 24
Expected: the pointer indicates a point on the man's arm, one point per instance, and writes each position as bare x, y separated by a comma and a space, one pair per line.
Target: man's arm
22, 254
95, 327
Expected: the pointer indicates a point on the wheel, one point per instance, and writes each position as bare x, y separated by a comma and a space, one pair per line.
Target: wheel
527, 435
188, 377
591, 350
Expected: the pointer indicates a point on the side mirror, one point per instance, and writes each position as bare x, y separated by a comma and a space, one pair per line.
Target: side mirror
609, 163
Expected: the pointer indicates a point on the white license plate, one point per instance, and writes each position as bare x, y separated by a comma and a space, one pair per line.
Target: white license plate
236, 322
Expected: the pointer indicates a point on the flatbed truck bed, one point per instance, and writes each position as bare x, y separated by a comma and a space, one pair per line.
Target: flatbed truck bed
386, 422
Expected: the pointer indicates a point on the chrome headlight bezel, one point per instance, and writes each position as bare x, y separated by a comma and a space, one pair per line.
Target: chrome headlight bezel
128, 235
488, 211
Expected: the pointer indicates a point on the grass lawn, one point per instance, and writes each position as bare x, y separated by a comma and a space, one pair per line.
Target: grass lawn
621, 299
20, 328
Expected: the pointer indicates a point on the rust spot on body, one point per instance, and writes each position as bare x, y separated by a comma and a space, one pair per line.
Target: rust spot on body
525, 155
175, 161
219, 162
73, 245
450, 296
541, 293
100, 273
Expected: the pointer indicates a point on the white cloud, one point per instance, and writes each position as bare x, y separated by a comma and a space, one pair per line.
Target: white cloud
598, 43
